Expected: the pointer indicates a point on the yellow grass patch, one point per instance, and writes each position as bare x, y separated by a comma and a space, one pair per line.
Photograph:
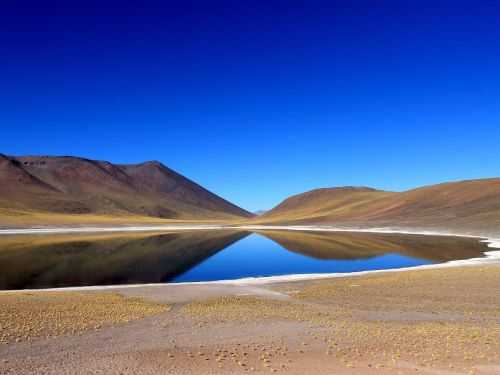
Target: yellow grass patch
444, 318
24, 316
252, 308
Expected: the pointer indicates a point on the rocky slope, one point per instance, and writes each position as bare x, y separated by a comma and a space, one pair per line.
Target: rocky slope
72, 185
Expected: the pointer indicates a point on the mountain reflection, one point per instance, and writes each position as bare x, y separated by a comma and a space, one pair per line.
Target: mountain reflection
357, 245
78, 260
49, 261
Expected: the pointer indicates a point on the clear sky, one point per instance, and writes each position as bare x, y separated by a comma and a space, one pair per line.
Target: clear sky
258, 100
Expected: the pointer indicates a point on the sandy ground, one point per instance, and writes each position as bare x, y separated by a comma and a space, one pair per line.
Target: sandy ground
442, 321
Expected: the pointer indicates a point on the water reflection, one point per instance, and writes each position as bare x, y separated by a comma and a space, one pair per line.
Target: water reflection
77, 260
356, 245
43, 261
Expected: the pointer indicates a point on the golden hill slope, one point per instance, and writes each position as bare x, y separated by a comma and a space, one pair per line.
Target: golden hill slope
472, 204
323, 204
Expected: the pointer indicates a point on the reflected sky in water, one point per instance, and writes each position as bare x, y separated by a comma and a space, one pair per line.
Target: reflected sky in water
257, 256
48, 261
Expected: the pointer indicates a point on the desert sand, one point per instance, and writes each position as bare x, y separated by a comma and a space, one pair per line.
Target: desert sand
439, 321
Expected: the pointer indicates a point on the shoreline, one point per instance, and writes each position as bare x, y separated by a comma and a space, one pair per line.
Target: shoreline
180, 227
426, 321
434, 321
490, 257
65, 230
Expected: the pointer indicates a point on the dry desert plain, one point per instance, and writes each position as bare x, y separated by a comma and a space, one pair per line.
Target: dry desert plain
439, 321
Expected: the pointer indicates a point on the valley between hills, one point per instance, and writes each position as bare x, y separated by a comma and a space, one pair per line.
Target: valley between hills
51, 191
434, 321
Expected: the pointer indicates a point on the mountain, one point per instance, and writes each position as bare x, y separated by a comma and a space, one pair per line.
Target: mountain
72, 185
465, 205
322, 204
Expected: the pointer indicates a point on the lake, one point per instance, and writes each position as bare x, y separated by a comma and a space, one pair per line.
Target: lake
63, 260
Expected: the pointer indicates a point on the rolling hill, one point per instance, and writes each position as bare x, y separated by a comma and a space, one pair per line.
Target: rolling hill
465, 205
73, 190
62, 186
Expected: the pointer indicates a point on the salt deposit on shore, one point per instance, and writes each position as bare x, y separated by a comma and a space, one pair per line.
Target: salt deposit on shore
490, 256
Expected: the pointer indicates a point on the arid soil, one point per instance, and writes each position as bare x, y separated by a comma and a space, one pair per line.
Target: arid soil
443, 321
28, 316
63, 190
471, 206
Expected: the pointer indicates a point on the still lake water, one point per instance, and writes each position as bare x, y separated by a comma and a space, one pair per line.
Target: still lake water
259, 256
45, 261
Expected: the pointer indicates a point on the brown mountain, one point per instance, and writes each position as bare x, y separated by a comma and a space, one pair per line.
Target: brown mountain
322, 204
466, 205
72, 185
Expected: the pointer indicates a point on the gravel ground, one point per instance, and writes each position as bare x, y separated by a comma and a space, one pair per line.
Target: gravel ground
443, 321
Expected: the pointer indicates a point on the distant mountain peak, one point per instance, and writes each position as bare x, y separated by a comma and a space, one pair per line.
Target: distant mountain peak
153, 163
260, 212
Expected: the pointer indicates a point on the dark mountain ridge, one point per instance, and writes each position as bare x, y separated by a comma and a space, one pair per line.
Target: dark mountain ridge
74, 185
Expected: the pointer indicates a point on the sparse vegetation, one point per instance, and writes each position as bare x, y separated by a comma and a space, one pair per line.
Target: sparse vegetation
25, 316
431, 318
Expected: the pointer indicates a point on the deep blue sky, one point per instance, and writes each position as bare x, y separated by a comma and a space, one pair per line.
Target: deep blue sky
257, 100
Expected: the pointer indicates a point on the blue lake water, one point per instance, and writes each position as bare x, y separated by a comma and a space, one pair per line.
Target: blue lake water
256, 256
49, 261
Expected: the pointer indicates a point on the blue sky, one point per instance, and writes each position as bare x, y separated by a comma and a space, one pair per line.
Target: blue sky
258, 100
